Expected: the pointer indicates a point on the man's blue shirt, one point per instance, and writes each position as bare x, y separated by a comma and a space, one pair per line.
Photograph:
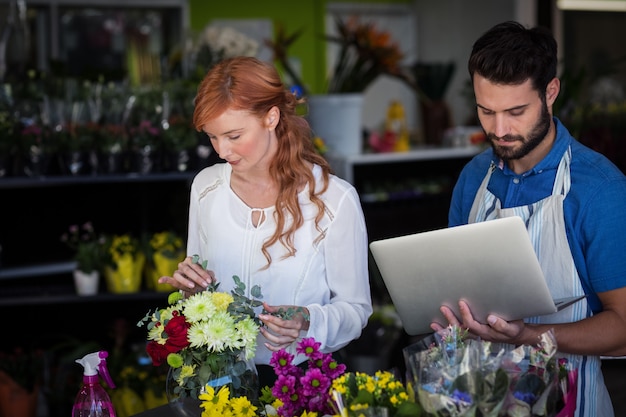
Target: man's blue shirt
594, 209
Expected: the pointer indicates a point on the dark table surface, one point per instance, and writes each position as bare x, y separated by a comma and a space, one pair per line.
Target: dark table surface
162, 411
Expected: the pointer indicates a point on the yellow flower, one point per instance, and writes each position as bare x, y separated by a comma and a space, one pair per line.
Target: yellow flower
186, 372
241, 406
222, 300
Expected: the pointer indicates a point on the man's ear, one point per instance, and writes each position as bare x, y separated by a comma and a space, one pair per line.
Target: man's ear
552, 91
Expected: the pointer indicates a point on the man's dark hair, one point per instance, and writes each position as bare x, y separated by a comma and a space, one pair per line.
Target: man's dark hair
509, 53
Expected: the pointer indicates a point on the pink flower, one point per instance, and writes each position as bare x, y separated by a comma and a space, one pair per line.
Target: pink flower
332, 368
309, 347
282, 362
314, 383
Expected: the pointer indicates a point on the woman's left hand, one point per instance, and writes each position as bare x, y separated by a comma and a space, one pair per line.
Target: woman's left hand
281, 332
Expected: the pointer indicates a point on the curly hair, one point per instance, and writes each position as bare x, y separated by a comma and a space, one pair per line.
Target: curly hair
509, 53
247, 83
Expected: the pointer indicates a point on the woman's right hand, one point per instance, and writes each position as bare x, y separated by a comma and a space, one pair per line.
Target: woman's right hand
190, 277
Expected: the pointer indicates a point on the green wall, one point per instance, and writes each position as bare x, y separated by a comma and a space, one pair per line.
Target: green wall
307, 15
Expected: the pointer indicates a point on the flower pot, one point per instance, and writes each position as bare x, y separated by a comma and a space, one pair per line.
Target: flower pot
126, 277
337, 119
178, 161
436, 118
111, 162
86, 283
159, 266
74, 162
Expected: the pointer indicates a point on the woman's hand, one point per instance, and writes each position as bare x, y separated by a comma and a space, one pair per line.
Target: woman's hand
190, 277
279, 332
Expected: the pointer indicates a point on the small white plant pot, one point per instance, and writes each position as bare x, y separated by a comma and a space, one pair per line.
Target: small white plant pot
86, 283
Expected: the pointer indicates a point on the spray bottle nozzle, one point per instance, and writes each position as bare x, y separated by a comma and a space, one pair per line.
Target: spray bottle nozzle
94, 364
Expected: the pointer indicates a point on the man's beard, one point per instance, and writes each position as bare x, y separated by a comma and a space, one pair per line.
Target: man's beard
535, 137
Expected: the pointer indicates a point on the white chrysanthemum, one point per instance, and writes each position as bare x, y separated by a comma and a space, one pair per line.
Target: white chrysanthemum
216, 335
199, 307
247, 331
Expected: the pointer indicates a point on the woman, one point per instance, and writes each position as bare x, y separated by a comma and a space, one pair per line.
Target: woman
274, 215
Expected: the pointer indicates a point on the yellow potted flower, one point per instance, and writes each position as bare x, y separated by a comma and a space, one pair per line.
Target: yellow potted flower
124, 265
164, 250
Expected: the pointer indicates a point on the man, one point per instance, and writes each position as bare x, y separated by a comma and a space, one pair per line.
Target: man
572, 199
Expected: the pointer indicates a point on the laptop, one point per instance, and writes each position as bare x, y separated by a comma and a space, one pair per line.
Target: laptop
492, 265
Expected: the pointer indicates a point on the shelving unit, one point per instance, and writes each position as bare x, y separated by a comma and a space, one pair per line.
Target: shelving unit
404, 192
36, 267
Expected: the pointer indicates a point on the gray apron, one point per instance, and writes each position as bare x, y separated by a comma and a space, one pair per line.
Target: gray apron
546, 227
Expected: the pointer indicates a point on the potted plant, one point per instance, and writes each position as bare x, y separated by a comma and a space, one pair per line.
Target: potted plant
124, 263
364, 54
88, 254
164, 250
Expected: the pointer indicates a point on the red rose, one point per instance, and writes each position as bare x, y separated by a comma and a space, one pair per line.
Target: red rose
176, 331
158, 353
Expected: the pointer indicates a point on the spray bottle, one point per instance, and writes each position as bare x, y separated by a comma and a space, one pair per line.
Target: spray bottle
92, 400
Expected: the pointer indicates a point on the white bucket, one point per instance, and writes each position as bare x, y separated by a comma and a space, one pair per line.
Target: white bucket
337, 119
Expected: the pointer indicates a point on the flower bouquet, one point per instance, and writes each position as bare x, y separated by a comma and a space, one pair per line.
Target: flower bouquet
208, 340
360, 392
163, 251
452, 375
125, 263
296, 391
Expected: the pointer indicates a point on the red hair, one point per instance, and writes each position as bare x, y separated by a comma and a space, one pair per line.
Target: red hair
246, 83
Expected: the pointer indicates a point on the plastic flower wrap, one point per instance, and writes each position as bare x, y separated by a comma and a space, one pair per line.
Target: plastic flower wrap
360, 392
452, 375
164, 250
125, 263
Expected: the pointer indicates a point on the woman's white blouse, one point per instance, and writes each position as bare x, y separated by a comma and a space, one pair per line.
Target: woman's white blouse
328, 273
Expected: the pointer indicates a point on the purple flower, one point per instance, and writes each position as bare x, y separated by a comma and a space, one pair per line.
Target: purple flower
309, 347
314, 382
284, 388
332, 368
282, 362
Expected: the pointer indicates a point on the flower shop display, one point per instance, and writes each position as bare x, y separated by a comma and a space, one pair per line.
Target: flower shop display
363, 54
164, 250
452, 375
208, 339
124, 264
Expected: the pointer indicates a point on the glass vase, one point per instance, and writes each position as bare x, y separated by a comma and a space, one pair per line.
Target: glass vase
239, 375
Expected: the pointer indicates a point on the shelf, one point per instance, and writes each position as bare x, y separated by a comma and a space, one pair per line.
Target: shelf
68, 180
37, 270
46, 300
343, 165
